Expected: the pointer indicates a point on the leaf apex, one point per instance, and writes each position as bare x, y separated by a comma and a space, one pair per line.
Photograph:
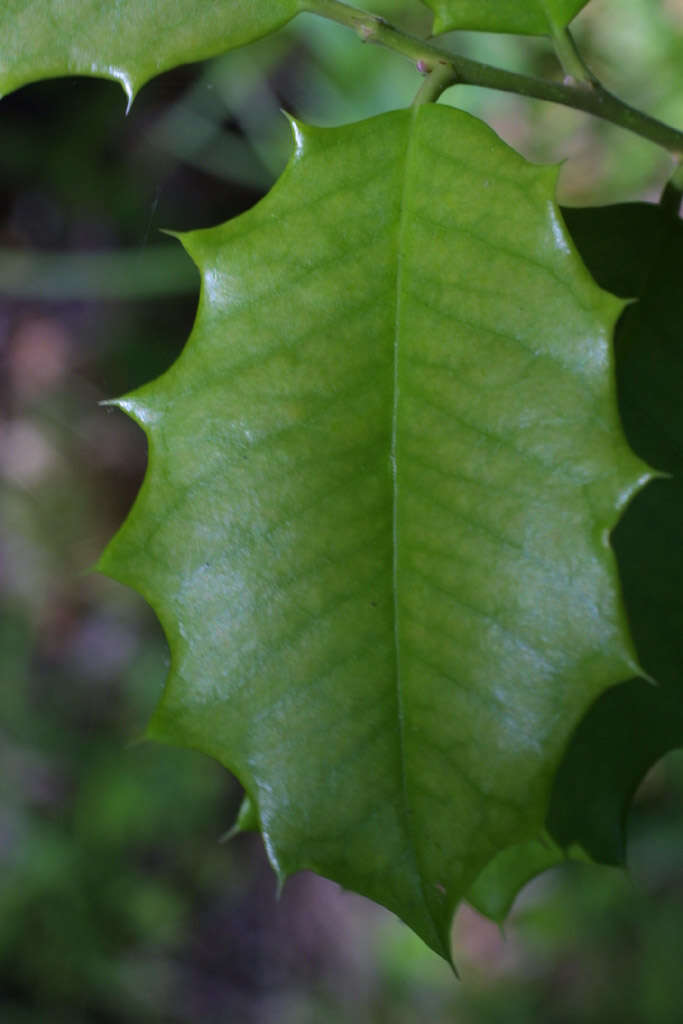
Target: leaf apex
445, 946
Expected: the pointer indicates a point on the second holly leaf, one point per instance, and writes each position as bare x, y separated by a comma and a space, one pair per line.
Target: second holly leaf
127, 40
526, 17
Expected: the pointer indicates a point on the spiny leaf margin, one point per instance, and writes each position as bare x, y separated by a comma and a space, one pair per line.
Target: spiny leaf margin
375, 233
129, 41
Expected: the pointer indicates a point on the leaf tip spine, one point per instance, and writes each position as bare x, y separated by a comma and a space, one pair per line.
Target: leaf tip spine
230, 833
297, 132
127, 405
121, 76
280, 875
143, 415
638, 670
646, 475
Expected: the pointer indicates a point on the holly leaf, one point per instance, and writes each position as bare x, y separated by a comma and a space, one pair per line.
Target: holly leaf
374, 523
526, 17
129, 40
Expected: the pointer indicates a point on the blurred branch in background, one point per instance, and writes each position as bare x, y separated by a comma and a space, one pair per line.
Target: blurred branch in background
117, 903
117, 274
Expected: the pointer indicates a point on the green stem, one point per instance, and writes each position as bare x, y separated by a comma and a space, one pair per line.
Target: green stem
570, 58
596, 100
437, 80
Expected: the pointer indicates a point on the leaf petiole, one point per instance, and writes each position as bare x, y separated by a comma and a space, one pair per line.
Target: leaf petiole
573, 65
438, 78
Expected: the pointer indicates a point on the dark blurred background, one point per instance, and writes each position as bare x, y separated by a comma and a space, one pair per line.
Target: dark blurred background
117, 902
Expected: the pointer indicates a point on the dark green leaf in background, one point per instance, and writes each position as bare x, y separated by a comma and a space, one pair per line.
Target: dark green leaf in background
496, 888
633, 250
636, 250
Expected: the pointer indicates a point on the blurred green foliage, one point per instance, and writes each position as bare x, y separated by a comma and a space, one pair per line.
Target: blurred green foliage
117, 903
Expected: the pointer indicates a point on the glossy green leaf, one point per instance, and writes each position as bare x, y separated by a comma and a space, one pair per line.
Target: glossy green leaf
374, 524
127, 40
526, 17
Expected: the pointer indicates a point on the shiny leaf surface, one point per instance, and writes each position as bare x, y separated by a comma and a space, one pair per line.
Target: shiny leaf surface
127, 40
375, 519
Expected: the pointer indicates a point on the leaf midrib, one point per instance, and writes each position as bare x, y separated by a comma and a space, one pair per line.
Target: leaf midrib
406, 813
